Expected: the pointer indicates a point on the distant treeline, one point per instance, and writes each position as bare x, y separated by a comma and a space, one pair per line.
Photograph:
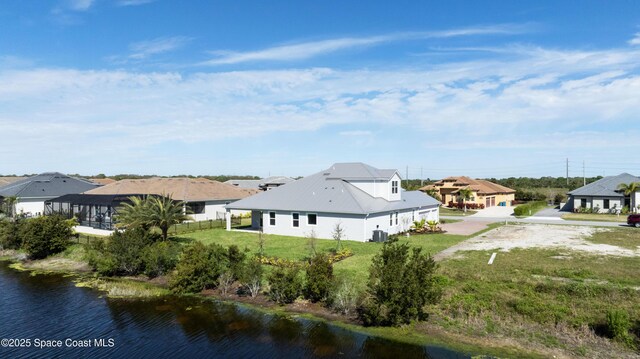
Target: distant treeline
543, 182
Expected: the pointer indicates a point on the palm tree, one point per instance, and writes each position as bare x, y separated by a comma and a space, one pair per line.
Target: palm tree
465, 194
151, 211
629, 188
163, 212
9, 205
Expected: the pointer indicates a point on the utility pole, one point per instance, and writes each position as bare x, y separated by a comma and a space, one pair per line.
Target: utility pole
567, 171
584, 178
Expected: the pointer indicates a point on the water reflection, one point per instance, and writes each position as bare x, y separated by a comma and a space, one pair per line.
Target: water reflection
189, 327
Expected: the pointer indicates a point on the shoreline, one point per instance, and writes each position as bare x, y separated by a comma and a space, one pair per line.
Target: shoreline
421, 334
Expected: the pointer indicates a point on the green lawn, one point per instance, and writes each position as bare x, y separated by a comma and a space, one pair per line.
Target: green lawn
595, 217
533, 292
444, 211
354, 268
621, 237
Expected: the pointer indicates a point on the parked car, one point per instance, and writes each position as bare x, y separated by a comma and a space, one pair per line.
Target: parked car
634, 220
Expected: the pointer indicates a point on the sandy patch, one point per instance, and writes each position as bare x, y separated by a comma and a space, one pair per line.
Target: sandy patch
537, 236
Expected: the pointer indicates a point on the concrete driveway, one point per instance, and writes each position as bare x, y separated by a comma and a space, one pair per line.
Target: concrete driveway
494, 212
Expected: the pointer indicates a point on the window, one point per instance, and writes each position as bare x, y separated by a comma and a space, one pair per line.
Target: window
583, 202
391, 219
396, 218
312, 219
195, 207
272, 218
296, 219
394, 186
605, 205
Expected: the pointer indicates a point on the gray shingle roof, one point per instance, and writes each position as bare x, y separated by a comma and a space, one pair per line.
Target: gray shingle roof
327, 192
605, 187
49, 184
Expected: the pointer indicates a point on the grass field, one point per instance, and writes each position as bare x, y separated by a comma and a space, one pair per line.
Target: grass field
354, 268
595, 217
444, 211
533, 291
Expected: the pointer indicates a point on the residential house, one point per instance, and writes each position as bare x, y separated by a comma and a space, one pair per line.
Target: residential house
356, 196
605, 195
205, 199
32, 192
263, 184
484, 192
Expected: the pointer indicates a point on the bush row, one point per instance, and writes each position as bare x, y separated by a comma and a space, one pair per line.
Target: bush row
40, 237
460, 205
529, 208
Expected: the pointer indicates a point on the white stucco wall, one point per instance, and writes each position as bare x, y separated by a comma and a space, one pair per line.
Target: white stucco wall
326, 222
381, 189
214, 210
635, 200
34, 206
592, 202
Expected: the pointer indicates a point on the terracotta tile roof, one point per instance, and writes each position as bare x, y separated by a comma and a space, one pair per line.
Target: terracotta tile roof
102, 181
7, 180
483, 187
181, 189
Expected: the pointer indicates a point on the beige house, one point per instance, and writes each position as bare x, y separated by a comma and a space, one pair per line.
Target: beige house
484, 192
205, 199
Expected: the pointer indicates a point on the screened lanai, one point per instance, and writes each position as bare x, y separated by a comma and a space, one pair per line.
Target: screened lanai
91, 210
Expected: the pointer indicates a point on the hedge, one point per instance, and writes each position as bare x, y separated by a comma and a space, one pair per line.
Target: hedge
530, 208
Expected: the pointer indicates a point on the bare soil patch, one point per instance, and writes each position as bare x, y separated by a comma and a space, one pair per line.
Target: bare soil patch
538, 236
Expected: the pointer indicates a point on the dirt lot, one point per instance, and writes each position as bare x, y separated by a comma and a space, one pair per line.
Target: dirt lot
538, 236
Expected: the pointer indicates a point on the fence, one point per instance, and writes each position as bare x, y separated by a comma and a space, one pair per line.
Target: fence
84, 238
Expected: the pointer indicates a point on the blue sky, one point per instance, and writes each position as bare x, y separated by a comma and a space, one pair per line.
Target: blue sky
478, 88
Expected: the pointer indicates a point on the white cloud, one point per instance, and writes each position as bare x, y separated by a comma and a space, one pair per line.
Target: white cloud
310, 49
635, 40
507, 100
144, 49
80, 5
133, 2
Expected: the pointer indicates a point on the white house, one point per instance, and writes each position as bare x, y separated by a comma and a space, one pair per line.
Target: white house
605, 195
358, 197
32, 192
205, 199
264, 184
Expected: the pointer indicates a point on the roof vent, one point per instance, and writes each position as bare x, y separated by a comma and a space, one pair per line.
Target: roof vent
326, 174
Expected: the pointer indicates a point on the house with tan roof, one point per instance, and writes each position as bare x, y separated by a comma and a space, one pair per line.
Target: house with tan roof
204, 199
484, 192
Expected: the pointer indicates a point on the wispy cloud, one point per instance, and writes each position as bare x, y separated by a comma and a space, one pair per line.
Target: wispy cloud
635, 40
524, 101
142, 50
133, 2
80, 5
305, 50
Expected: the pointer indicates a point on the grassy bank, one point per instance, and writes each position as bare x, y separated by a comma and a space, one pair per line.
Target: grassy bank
595, 217
529, 209
444, 211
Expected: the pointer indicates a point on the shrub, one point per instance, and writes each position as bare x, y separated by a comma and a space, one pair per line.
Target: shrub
618, 326
10, 234
126, 249
236, 261
160, 258
251, 277
344, 298
319, 278
285, 285
225, 281
199, 268
400, 285
47, 235
529, 208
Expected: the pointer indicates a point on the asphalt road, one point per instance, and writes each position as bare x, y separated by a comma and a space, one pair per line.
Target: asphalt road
539, 220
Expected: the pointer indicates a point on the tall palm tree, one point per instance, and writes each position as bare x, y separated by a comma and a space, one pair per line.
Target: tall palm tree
465, 194
151, 211
629, 189
163, 212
